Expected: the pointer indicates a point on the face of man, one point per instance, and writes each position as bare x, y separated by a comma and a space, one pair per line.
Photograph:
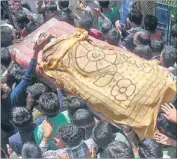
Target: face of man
5, 89
14, 6
50, 14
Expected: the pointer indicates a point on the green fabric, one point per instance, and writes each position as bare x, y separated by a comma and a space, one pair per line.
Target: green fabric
57, 121
112, 15
119, 137
169, 152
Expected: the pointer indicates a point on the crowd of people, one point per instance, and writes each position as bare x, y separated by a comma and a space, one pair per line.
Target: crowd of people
42, 122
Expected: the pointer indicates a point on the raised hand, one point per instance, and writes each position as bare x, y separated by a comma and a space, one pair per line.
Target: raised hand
59, 83
163, 139
48, 129
170, 112
41, 42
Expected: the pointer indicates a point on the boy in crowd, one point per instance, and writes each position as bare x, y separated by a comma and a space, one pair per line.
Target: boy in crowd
113, 37
74, 103
141, 38
168, 56
103, 135
33, 94
64, 8
111, 13
85, 120
50, 108
118, 149
143, 51
151, 23
156, 48
31, 150
174, 34
134, 18
48, 11
72, 137
174, 31
5, 57
149, 148
25, 24
23, 121
7, 34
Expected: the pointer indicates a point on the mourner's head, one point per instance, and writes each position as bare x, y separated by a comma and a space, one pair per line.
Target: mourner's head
21, 117
113, 37
149, 148
102, 134
73, 103
51, 10
70, 134
118, 149
143, 51
49, 104
168, 56
135, 18
5, 89
34, 92
85, 120
31, 150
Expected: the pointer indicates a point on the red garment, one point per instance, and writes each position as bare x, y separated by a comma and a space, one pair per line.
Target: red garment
24, 33
96, 34
156, 35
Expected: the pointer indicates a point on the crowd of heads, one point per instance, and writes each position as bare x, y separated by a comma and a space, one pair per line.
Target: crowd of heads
147, 43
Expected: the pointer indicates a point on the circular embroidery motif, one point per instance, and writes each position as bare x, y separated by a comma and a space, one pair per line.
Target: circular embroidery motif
94, 60
123, 89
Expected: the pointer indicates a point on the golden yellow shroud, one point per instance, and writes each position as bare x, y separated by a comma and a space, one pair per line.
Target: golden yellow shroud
124, 88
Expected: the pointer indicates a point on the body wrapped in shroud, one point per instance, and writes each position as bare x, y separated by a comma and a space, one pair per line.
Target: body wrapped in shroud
124, 88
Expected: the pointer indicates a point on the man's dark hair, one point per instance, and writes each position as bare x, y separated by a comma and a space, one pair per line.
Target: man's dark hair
85, 23
144, 38
15, 73
36, 90
113, 37
70, 134
49, 104
51, 6
7, 39
166, 127
63, 4
118, 149
22, 20
102, 134
104, 4
174, 31
31, 150
149, 148
157, 45
135, 16
83, 117
143, 51
106, 26
30, 27
169, 55
21, 117
74, 103
5, 56
150, 23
